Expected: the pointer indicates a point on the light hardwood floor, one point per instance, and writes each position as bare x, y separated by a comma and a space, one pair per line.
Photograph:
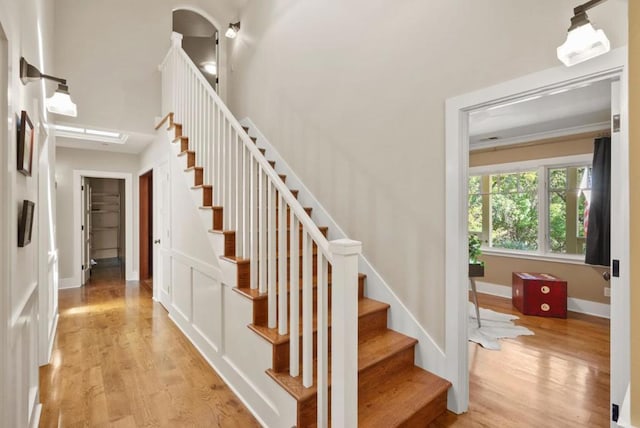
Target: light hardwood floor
118, 361
557, 378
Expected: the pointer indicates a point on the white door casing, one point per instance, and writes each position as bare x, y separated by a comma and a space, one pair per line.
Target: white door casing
130, 274
610, 66
620, 293
85, 229
161, 235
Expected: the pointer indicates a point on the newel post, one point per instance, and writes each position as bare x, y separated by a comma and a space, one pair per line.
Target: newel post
176, 40
344, 332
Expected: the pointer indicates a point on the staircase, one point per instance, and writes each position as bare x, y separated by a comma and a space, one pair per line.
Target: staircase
297, 281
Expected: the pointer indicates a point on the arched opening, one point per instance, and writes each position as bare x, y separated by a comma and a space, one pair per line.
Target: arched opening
200, 42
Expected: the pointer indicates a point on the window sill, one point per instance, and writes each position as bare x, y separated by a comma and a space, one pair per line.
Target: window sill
575, 259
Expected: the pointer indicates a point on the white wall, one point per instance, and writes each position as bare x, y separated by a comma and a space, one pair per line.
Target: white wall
68, 160
110, 52
352, 95
27, 27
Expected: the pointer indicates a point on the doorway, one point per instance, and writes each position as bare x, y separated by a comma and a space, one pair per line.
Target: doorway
200, 41
611, 66
103, 226
122, 248
146, 228
530, 169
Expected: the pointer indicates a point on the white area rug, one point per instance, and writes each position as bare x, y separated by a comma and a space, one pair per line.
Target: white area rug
495, 325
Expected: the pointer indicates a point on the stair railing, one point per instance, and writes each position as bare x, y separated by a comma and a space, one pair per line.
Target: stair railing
270, 224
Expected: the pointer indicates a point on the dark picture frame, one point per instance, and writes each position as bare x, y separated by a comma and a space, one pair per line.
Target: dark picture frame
25, 144
25, 225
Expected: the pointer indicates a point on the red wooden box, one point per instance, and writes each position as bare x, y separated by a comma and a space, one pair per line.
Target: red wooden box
539, 294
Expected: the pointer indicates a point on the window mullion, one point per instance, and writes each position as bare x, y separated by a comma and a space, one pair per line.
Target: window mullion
543, 210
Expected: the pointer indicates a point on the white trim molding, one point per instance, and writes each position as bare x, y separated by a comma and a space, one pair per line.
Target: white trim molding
64, 283
130, 274
611, 66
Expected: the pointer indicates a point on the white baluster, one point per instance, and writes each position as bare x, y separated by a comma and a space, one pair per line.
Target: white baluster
217, 191
344, 332
253, 184
246, 202
294, 287
307, 310
282, 265
262, 230
238, 195
323, 342
271, 266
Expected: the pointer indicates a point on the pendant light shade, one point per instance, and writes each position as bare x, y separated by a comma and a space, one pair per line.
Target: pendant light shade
60, 102
583, 43
583, 40
232, 31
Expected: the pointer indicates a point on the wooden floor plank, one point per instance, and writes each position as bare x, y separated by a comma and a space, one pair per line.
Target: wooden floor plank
557, 378
118, 361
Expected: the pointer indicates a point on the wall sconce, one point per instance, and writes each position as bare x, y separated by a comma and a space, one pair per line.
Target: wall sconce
60, 102
583, 41
232, 31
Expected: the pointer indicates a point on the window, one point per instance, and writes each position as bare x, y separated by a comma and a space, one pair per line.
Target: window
569, 190
538, 207
514, 211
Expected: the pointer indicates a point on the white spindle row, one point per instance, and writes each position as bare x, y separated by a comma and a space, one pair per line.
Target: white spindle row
285, 248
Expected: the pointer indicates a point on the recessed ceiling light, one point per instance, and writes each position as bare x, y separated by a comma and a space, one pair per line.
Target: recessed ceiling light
518, 101
103, 133
90, 134
68, 128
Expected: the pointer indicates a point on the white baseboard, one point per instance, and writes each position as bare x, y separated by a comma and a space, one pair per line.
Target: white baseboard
587, 307
35, 415
67, 283
52, 337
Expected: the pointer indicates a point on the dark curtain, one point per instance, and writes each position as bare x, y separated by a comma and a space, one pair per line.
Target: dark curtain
599, 226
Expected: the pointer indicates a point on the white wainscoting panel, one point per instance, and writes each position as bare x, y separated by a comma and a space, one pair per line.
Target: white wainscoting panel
23, 359
181, 287
207, 308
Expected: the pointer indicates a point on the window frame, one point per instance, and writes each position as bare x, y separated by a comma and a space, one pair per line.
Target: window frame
541, 166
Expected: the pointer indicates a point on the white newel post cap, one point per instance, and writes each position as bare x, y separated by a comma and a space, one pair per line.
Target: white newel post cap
176, 39
345, 247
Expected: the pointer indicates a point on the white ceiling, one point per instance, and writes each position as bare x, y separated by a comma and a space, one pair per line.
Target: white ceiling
135, 144
581, 109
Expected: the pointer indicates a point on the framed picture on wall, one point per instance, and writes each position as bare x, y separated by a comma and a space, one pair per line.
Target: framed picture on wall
25, 225
25, 144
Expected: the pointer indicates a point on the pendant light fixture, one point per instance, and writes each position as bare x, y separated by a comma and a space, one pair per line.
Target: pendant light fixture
232, 31
583, 40
60, 102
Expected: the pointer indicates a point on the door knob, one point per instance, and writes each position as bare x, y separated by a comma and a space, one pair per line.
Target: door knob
606, 275
157, 241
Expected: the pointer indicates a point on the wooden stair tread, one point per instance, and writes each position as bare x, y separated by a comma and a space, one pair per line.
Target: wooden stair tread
365, 307
234, 259
202, 186
220, 232
186, 152
371, 351
193, 168
393, 402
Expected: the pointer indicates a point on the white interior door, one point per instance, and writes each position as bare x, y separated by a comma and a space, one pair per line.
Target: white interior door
620, 310
85, 203
161, 235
